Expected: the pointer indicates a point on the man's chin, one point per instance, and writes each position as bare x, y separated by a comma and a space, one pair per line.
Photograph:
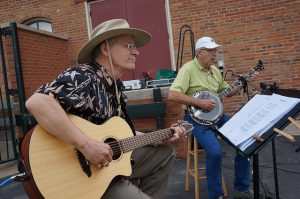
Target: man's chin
129, 68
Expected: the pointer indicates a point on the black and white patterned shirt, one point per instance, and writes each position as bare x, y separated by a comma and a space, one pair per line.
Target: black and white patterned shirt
87, 91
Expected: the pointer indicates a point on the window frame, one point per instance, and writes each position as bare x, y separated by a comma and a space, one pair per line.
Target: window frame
38, 20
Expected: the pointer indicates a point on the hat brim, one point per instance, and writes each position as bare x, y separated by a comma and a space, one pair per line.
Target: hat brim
212, 46
140, 37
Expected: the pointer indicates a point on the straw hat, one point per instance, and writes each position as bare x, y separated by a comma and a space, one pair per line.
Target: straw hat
107, 30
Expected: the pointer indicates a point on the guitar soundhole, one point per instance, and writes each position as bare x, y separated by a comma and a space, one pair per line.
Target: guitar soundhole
115, 146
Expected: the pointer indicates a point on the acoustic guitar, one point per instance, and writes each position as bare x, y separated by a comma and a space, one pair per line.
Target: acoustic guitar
57, 170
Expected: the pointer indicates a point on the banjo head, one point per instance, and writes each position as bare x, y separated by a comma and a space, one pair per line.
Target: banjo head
203, 117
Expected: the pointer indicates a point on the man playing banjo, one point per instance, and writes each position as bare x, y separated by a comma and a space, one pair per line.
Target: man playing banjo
196, 78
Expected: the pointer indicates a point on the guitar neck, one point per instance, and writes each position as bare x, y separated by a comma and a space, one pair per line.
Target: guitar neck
131, 143
228, 90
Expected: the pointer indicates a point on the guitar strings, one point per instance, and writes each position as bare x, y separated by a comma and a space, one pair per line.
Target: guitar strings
115, 145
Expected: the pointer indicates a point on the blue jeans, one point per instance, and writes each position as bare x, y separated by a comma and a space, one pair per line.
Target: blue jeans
207, 139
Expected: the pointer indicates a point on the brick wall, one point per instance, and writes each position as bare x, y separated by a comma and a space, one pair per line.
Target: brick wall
43, 57
67, 17
248, 31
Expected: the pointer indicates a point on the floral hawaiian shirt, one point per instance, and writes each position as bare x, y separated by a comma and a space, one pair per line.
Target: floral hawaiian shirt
87, 91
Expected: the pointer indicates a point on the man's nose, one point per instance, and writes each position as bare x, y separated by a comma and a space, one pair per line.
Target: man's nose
135, 51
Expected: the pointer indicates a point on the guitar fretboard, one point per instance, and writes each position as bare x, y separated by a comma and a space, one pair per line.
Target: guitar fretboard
131, 143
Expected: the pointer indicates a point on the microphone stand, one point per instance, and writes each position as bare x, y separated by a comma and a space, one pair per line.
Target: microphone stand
244, 85
245, 88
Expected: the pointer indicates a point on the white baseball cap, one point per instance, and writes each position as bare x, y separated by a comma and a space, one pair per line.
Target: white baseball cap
206, 42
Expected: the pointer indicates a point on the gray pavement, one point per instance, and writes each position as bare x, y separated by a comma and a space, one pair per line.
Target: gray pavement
288, 163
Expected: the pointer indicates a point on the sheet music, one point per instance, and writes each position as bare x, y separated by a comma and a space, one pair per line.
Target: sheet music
256, 117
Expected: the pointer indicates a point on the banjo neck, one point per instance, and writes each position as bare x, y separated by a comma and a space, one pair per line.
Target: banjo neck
258, 67
228, 90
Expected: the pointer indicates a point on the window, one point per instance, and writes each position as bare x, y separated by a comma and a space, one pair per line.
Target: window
41, 24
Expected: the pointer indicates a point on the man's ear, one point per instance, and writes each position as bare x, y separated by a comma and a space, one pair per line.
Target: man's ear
104, 49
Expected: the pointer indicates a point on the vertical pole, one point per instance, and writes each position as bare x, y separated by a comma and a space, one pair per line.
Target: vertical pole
256, 176
188, 164
275, 168
196, 168
18, 69
7, 95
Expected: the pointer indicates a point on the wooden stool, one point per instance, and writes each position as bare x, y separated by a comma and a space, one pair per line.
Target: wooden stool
200, 153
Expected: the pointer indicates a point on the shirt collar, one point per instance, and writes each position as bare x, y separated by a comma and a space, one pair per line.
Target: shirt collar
103, 72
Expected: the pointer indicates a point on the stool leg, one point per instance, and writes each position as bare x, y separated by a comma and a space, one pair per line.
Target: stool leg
188, 165
224, 187
195, 154
196, 168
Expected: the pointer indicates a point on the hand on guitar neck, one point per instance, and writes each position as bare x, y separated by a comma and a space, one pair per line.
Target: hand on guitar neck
177, 131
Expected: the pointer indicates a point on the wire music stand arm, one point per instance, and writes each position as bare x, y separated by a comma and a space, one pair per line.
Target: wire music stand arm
183, 30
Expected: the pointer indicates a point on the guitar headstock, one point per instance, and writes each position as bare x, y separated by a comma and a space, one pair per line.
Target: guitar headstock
259, 66
187, 126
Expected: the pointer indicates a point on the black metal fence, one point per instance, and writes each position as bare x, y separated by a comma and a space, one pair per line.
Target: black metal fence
12, 100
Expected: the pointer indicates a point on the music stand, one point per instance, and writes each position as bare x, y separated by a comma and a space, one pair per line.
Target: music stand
287, 93
268, 136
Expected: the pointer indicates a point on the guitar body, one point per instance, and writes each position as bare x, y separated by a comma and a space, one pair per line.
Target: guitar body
55, 169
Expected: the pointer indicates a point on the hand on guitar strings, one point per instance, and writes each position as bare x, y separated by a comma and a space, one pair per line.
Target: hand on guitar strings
97, 152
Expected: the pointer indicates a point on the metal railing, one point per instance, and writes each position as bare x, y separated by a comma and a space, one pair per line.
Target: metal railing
9, 117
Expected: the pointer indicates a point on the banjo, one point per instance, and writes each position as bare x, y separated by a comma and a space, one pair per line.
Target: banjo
209, 118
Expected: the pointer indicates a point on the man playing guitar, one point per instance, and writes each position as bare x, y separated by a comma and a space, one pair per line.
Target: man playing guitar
92, 90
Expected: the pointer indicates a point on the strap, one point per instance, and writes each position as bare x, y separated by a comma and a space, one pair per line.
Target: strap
114, 77
127, 118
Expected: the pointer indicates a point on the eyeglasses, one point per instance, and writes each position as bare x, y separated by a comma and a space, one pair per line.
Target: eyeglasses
211, 50
130, 46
